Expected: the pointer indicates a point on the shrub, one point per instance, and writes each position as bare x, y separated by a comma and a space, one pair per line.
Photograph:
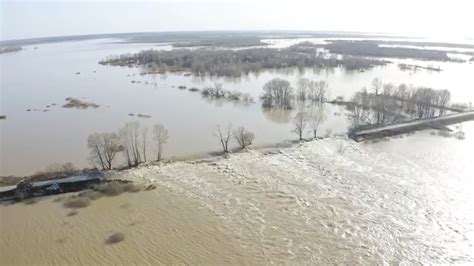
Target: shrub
115, 238
30, 201
72, 213
77, 202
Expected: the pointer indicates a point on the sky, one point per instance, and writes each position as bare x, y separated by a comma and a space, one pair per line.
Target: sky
20, 19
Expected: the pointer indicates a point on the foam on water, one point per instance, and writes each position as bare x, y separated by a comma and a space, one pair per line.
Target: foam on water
336, 201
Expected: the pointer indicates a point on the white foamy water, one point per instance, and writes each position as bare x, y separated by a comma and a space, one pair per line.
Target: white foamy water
331, 201
336, 201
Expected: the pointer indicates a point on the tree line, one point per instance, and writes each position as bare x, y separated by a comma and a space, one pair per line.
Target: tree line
130, 140
234, 63
386, 103
373, 49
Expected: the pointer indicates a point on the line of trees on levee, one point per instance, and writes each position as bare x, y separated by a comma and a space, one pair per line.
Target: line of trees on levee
244, 138
386, 103
131, 140
309, 97
311, 119
234, 63
228, 135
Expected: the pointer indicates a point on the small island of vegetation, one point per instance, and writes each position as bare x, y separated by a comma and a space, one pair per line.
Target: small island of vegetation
234, 63
373, 49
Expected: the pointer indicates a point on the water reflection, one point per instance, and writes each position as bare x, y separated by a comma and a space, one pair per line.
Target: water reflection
277, 115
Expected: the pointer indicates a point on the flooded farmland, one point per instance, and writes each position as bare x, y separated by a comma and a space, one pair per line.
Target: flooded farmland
404, 199
54, 72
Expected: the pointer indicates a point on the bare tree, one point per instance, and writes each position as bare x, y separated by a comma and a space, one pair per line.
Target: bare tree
303, 89
129, 138
161, 138
444, 98
224, 136
316, 116
388, 89
300, 121
361, 110
378, 105
144, 138
104, 147
277, 93
321, 91
243, 137
376, 85
214, 92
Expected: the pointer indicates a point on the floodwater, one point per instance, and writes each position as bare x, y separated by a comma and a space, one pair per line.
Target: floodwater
37, 78
397, 201
159, 227
401, 201
404, 200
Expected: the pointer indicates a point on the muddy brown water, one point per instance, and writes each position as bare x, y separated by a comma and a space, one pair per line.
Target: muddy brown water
158, 227
401, 200
40, 80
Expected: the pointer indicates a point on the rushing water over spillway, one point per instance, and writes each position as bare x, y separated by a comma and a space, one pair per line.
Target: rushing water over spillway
402, 200
334, 201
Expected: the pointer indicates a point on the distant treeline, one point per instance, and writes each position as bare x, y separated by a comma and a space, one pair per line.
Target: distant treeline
372, 49
224, 42
234, 63
425, 44
9, 49
417, 67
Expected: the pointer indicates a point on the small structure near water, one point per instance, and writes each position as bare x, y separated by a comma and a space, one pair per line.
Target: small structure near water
25, 189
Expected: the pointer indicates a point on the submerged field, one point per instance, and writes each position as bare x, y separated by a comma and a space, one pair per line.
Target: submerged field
40, 130
401, 200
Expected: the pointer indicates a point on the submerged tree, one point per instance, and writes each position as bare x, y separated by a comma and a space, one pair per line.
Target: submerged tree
224, 136
216, 91
304, 89
321, 91
104, 147
277, 93
161, 138
300, 121
316, 91
243, 137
